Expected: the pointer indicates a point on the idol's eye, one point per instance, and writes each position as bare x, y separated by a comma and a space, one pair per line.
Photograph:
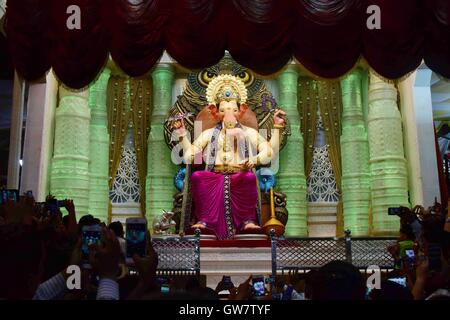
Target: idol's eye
206, 77
244, 76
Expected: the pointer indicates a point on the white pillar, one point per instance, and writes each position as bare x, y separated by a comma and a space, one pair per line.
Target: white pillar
15, 139
38, 145
417, 114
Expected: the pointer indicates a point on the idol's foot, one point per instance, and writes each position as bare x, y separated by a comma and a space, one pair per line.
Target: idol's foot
252, 227
200, 226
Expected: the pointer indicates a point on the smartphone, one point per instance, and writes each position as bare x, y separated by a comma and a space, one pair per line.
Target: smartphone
394, 211
434, 257
259, 288
135, 237
410, 255
52, 206
90, 235
164, 284
3, 196
12, 195
400, 281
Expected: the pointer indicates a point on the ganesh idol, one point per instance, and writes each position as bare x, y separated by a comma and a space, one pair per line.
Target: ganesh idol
225, 193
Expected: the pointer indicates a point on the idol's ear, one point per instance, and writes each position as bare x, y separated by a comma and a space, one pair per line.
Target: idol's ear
242, 110
213, 109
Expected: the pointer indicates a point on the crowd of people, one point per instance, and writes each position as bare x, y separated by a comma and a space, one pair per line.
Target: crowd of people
39, 247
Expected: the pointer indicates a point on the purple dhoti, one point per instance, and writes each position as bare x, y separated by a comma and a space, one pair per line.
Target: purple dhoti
224, 202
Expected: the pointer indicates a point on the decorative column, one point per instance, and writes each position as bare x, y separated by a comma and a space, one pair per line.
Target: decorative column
291, 175
15, 138
99, 148
160, 172
417, 112
70, 163
387, 160
355, 157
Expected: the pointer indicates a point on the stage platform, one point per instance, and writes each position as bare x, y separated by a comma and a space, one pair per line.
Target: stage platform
236, 258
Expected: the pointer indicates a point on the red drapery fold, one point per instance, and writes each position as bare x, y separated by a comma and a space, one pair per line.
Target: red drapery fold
326, 36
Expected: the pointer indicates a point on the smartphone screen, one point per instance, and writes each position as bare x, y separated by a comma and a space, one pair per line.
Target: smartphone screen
52, 206
164, 283
90, 235
400, 281
136, 238
165, 288
258, 286
410, 256
393, 211
13, 195
4, 196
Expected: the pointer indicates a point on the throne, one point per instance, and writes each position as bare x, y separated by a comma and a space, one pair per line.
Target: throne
259, 116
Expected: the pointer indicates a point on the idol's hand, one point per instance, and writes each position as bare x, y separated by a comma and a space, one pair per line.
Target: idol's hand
279, 117
178, 127
248, 165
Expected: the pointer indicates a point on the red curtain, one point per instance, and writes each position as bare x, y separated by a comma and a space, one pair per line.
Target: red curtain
326, 36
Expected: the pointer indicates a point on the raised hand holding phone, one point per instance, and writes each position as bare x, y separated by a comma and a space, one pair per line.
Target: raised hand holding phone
136, 238
105, 258
90, 235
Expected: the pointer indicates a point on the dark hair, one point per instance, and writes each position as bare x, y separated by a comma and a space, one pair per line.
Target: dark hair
87, 220
390, 290
337, 280
117, 228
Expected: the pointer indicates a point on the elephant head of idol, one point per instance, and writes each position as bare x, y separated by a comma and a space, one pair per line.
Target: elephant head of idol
227, 96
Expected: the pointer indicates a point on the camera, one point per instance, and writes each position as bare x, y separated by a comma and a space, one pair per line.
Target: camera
394, 211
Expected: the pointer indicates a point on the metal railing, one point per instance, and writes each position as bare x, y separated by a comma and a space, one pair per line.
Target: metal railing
304, 254
178, 256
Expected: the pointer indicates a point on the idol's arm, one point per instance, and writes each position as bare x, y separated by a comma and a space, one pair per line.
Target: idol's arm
264, 148
275, 141
191, 149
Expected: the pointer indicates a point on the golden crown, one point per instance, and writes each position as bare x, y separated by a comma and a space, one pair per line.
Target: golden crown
226, 88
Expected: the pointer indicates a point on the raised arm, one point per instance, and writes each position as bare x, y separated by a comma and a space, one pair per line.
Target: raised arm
191, 149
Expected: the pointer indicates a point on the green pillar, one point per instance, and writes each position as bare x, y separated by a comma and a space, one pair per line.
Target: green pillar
70, 163
291, 175
387, 160
99, 148
355, 157
159, 185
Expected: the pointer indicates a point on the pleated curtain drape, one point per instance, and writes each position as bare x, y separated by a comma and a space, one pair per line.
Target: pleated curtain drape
326, 37
323, 97
331, 112
129, 102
